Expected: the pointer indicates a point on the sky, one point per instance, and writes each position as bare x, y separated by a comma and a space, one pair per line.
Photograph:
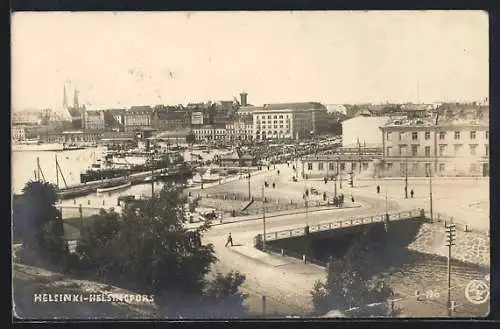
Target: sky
128, 58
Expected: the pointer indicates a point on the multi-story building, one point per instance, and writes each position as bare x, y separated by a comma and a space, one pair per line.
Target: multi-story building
240, 129
26, 117
114, 119
286, 120
442, 146
18, 133
197, 118
73, 137
170, 119
137, 117
208, 133
358, 161
94, 120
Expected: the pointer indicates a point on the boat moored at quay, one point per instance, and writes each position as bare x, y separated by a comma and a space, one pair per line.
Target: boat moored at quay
114, 186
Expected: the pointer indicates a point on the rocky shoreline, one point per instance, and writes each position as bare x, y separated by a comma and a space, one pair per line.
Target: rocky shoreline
470, 247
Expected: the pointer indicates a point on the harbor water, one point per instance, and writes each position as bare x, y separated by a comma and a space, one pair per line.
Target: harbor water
72, 163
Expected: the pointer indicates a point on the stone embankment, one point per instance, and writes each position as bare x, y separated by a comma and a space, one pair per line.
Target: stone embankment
470, 247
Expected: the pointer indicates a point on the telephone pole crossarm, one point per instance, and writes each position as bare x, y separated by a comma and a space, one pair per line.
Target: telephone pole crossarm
450, 241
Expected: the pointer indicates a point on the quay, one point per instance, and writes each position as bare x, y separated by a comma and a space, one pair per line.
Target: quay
137, 178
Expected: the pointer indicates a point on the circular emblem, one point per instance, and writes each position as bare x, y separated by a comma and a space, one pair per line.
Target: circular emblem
477, 292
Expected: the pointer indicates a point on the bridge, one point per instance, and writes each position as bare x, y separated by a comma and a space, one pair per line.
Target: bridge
337, 225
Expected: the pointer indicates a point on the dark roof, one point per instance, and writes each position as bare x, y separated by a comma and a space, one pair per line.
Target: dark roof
171, 115
115, 111
141, 107
74, 111
295, 106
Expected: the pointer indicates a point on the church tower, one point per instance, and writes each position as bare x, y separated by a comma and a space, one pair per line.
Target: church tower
65, 98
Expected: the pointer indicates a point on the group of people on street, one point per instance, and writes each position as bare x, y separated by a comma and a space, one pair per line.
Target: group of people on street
338, 201
412, 193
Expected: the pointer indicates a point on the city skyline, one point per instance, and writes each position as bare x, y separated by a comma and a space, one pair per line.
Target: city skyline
329, 57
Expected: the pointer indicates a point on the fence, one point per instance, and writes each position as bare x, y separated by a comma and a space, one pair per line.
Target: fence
78, 211
341, 224
283, 206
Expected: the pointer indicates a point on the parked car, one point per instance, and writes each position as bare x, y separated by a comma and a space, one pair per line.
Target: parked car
314, 191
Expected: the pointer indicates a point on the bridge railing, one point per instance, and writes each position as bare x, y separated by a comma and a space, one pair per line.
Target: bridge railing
338, 224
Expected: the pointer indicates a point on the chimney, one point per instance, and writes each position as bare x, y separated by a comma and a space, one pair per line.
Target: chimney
243, 97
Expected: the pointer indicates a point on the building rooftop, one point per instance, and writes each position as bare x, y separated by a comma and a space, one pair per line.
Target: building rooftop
342, 157
433, 120
295, 106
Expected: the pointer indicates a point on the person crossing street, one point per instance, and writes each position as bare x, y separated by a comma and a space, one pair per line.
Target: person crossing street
229, 240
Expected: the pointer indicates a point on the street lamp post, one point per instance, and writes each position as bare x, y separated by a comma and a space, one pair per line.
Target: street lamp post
430, 194
263, 220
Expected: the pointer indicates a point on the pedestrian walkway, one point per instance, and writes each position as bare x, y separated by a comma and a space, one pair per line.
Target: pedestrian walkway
231, 220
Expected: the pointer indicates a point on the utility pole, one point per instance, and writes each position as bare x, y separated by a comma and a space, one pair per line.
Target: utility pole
335, 186
406, 174
249, 193
38, 167
340, 175
152, 178
263, 220
430, 193
450, 241
386, 205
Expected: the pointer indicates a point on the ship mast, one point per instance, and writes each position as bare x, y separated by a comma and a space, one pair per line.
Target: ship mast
58, 170
39, 170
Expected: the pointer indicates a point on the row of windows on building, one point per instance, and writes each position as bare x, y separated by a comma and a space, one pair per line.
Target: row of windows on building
442, 150
333, 166
415, 167
442, 135
276, 132
269, 117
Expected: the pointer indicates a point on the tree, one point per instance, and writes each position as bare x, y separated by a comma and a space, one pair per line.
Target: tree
150, 247
224, 295
38, 223
94, 246
350, 286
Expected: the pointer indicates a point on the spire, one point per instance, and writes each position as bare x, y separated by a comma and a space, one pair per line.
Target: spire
76, 105
65, 98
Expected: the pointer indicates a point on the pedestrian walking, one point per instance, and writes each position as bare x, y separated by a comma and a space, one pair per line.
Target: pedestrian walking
352, 199
278, 172
326, 180
229, 240
274, 185
412, 193
378, 189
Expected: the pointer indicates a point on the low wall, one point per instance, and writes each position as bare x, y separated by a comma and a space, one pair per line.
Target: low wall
470, 247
